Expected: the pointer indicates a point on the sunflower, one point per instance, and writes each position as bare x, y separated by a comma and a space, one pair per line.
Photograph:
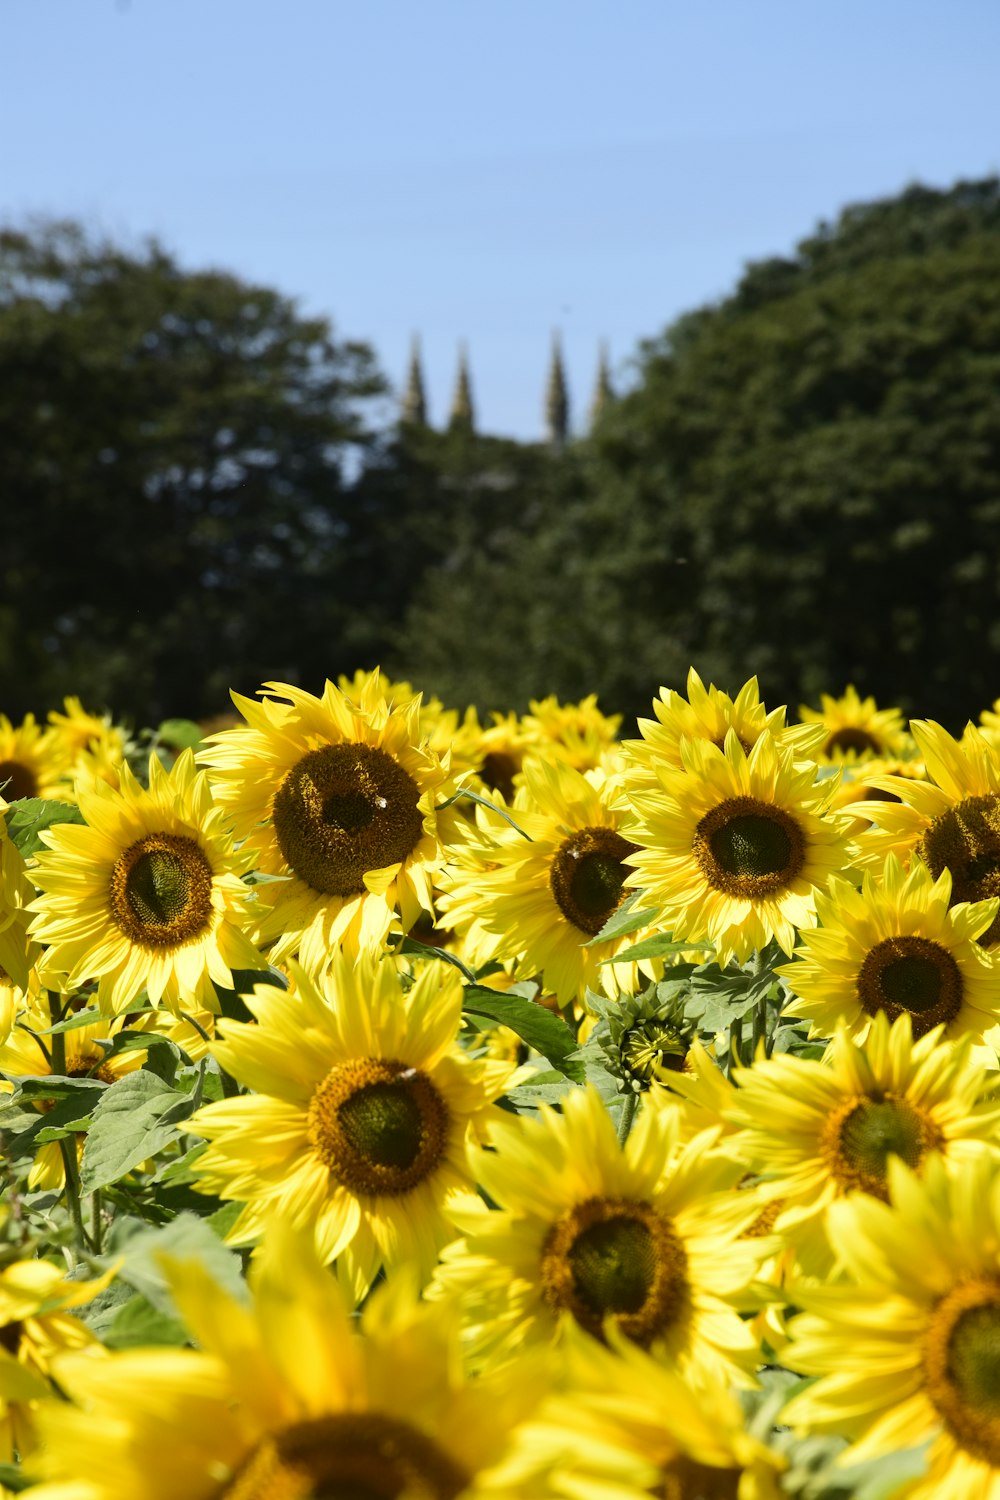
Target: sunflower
645, 1235
952, 822
25, 1056
147, 896
31, 764
897, 947
576, 734
907, 1351
734, 846
357, 1127
88, 744
34, 1328
289, 1397
540, 899
338, 795
691, 1441
495, 752
17, 951
708, 714
818, 1130
856, 727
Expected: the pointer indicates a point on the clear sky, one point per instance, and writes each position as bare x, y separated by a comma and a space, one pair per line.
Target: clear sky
488, 169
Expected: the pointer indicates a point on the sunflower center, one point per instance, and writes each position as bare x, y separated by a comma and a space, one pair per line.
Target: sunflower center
498, 771
749, 849
686, 1479
349, 1456
966, 841
911, 974
962, 1366
17, 781
379, 1125
859, 1137
344, 810
161, 890
587, 875
10, 1336
609, 1257
851, 738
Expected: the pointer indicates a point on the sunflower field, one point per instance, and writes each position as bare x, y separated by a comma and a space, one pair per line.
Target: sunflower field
401, 1106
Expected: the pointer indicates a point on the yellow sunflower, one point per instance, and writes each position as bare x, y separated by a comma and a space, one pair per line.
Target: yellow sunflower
337, 795
897, 947
908, 1351
495, 751
952, 821
540, 899
577, 734
17, 951
31, 764
708, 714
646, 1235
856, 727
691, 1441
818, 1130
89, 745
357, 1127
289, 1397
34, 1328
147, 895
734, 846
27, 1054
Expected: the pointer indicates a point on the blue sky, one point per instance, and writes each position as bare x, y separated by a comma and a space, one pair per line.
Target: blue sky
483, 170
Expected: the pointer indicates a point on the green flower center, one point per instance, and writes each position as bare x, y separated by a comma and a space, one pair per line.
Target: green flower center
349, 1456
962, 1366
379, 1125
344, 810
749, 849
612, 1257
966, 841
650, 1046
911, 974
586, 877
861, 1135
383, 1124
161, 891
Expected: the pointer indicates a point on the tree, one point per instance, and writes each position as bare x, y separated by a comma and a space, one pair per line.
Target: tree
177, 518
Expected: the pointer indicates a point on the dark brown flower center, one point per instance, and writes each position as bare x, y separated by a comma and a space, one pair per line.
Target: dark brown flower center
966, 841
498, 771
587, 874
349, 1456
749, 849
343, 811
17, 781
851, 739
912, 974
686, 1479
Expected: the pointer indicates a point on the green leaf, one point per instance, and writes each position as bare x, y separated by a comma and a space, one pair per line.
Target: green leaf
135, 1118
137, 1323
426, 950
65, 1116
185, 1238
78, 1018
657, 946
623, 921
179, 734
28, 817
13, 1478
545, 1032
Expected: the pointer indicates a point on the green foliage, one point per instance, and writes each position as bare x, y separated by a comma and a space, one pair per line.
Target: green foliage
172, 450
27, 818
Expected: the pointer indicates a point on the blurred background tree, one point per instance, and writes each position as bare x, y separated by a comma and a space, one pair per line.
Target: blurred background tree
803, 482
172, 465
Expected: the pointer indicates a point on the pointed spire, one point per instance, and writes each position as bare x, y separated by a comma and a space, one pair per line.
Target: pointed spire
413, 408
604, 393
463, 416
556, 399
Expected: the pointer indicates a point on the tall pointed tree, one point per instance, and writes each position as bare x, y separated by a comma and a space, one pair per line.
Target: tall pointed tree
413, 407
556, 399
463, 414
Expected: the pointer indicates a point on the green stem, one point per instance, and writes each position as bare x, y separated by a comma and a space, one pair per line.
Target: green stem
67, 1145
230, 1088
96, 1226
627, 1116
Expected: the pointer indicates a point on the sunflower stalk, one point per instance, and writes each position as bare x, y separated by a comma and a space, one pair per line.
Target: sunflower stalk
67, 1145
626, 1117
